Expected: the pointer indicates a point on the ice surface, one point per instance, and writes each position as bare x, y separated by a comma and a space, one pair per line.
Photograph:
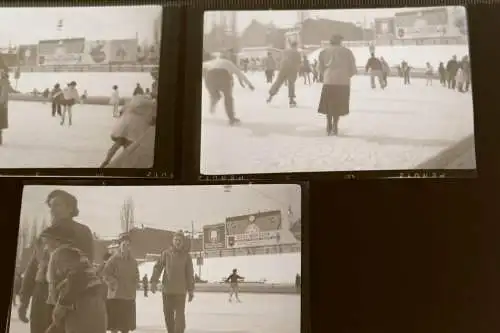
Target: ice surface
397, 128
212, 313
35, 139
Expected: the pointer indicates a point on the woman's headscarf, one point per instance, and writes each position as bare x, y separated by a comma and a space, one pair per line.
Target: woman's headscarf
67, 197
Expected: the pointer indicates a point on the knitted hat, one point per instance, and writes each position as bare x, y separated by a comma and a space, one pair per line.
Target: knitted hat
66, 196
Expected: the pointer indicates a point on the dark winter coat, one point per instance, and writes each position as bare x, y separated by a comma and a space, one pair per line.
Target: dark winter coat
452, 67
5, 88
374, 64
37, 266
290, 61
178, 272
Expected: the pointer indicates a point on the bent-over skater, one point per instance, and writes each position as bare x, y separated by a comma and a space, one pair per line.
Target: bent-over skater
219, 80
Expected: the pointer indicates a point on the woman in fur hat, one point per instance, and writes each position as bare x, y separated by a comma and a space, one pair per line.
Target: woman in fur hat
121, 274
74, 287
137, 118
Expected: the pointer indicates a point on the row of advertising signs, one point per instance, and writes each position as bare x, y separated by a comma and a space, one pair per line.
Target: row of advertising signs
254, 230
426, 23
78, 51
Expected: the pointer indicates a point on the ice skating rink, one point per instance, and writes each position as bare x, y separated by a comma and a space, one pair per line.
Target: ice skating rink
397, 128
35, 139
212, 313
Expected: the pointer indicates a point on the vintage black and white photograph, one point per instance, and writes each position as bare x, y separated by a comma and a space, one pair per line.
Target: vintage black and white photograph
194, 259
79, 86
288, 91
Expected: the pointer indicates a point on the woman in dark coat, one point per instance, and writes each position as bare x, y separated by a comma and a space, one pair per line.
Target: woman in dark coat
339, 66
5, 88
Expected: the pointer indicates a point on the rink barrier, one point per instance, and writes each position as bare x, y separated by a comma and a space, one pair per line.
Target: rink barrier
91, 100
254, 288
449, 155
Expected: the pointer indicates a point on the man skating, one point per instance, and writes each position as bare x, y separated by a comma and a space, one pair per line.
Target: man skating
219, 80
289, 70
178, 282
233, 280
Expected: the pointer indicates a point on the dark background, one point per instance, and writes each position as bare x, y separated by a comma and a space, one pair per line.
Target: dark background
408, 255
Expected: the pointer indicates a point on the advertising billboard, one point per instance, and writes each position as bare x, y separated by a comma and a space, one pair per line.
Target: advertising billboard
384, 27
96, 52
214, 236
123, 51
261, 229
61, 52
28, 55
426, 23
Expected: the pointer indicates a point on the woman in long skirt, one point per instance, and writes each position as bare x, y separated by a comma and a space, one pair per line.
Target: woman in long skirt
74, 286
121, 274
339, 67
137, 117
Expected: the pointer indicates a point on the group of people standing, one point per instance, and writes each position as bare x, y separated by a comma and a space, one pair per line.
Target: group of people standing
67, 293
63, 101
456, 75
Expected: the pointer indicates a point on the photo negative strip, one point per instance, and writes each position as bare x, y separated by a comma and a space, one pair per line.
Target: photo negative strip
79, 87
343, 90
233, 254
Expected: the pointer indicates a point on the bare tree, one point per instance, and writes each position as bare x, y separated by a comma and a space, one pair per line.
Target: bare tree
127, 215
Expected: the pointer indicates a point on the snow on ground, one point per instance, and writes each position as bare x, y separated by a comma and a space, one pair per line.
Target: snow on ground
397, 128
212, 313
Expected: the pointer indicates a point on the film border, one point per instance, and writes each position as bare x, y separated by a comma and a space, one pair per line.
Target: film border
192, 106
165, 165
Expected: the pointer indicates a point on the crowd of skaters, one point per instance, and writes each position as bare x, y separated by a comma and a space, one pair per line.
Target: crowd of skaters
334, 68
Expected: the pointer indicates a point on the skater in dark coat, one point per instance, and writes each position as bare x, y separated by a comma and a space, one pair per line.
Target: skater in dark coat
4, 104
270, 67
452, 69
340, 67
289, 70
57, 97
35, 288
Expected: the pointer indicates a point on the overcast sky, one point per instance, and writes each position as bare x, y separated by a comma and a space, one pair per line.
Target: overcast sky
29, 25
285, 18
163, 207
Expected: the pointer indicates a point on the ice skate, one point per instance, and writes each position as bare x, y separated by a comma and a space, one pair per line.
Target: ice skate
292, 103
234, 121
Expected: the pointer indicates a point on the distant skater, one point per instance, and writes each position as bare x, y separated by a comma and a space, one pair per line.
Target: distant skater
57, 98
429, 72
145, 285
115, 101
233, 280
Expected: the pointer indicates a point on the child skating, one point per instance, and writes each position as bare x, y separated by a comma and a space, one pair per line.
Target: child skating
233, 280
